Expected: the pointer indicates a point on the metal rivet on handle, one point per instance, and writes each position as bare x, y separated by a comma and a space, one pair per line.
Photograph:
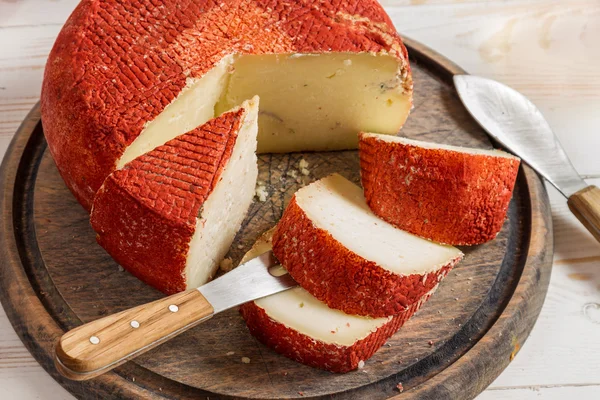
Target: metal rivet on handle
173, 308
94, 340
134, 324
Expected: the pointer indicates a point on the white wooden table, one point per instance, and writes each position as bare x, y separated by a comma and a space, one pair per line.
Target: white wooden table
549, 50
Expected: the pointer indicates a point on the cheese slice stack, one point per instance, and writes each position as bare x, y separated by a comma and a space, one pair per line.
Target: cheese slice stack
125, 77
297, 325
333, 245
448, 194
170, 215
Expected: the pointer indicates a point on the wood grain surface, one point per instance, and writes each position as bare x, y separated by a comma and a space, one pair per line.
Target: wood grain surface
499, 287
544, 48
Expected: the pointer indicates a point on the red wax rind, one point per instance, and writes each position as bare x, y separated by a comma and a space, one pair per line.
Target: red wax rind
145, 213
443, 195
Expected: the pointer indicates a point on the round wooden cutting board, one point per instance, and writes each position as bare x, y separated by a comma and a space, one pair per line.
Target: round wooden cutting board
54, 276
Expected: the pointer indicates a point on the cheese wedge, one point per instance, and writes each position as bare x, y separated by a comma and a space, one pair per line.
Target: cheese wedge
170, 215
297, 325
448, 194
340, 252
126, 77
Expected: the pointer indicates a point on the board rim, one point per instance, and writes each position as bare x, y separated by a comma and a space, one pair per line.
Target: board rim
16, 292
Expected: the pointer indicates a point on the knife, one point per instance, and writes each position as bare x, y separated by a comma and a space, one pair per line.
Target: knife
517, 124
101, 345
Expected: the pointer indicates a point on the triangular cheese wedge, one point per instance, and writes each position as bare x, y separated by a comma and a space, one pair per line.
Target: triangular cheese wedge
170, 215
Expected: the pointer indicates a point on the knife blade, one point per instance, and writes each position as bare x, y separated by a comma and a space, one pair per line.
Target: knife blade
101, 345
516, 123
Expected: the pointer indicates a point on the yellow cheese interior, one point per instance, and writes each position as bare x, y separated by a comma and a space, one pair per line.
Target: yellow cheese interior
193, 107
307, 101
299, 310
318, 102
223, 211
338, 206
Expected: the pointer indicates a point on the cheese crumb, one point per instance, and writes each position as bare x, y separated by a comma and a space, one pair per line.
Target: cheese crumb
292, 173
261, 193
303, 164
226, 264
245, 360
347, 62
361, 364
305, 171
230, 353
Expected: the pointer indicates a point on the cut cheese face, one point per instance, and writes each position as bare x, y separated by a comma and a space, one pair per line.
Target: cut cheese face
193, 107
302, 312
333, 245
170, 215
444, 193
297, 325
338, 206
319, 101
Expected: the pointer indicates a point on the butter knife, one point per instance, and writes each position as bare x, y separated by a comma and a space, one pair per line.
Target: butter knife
517, 124
101, 345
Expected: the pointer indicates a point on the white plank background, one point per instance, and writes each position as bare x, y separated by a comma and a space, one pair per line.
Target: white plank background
549, 50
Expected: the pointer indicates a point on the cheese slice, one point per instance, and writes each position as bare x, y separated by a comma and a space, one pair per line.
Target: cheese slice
126, 77
297, 325
170, 215
444, 193
338, 250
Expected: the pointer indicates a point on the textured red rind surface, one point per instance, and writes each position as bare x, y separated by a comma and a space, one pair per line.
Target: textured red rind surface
442, 195
145, 214
117, 64
340, 278
316, 353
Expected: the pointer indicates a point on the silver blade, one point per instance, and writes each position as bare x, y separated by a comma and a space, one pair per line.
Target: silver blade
515, 122
249, 281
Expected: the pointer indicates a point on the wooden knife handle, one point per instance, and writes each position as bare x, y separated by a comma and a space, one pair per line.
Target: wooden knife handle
99, 346
585, 204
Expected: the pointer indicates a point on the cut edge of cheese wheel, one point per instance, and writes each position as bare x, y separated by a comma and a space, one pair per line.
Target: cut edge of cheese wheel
304, 329
170, 215
448, 194
337, 249
107, 98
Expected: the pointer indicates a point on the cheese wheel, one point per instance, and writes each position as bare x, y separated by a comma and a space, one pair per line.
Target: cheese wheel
340, 252
447, 194
170, 215
127, 76
297, 325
